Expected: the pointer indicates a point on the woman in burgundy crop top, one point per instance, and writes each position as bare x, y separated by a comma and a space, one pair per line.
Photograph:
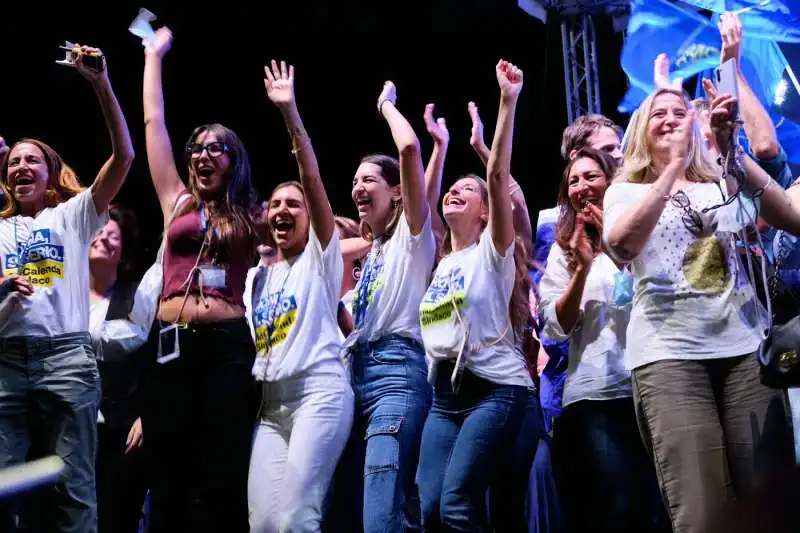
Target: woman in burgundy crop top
205, 379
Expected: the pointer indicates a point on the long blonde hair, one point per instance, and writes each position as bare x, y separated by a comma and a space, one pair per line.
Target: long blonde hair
62, 183
638, 164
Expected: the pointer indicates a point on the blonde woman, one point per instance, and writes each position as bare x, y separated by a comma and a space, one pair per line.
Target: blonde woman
695, 323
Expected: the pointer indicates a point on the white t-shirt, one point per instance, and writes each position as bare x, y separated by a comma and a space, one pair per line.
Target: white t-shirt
596, 365
295, 310
692, 299
479, 281
397, 274
55, 248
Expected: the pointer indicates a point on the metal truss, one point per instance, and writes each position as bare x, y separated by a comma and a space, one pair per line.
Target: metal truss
581, 77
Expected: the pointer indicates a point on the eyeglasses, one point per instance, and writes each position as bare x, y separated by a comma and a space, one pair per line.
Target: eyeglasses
691, 219
214, 149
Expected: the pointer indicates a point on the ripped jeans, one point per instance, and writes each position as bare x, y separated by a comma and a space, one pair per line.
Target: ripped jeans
374, 486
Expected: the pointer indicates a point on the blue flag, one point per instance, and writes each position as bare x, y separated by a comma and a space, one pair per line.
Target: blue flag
774, 20
690, 40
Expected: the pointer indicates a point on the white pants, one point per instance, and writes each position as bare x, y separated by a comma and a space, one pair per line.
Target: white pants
305, 424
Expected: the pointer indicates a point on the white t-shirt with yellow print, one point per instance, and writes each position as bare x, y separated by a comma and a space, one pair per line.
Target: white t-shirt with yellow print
397, 273
294, 305
479, 281
52, 251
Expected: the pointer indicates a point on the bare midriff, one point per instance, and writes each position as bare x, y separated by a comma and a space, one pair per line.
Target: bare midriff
198, 310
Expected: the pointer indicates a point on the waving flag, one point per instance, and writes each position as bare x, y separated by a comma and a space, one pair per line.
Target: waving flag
690, 40
775, 20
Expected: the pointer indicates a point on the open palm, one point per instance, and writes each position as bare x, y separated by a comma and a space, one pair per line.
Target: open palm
436, 127
279, 83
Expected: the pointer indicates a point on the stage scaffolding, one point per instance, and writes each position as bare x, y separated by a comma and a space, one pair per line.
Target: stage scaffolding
579, 48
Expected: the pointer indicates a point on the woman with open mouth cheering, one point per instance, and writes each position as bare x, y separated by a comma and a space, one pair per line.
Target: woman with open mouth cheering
473, 317
49, 382
307, 406
205, 350
392, 395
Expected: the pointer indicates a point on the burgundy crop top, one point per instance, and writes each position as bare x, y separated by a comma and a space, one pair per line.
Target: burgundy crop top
184, 238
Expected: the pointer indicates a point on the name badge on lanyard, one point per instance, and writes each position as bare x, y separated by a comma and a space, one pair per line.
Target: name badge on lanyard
213, 276
368, 276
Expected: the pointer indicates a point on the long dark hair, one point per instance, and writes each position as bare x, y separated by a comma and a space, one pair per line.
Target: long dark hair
519, 311
566, 218
390, 171
231, 216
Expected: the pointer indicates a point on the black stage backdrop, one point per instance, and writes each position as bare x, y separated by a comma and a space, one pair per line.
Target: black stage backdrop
440, 51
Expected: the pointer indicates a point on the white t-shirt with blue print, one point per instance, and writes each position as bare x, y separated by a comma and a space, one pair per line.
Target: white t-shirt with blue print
478, 281
52, 251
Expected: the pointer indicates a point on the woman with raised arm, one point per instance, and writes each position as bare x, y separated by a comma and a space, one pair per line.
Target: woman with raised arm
606, 482
50, 383
385, 348
307, 406
712, 428
510, 487
205, 350
473, 316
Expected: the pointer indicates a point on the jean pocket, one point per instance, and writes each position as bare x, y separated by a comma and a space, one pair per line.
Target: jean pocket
383, 445
77, 359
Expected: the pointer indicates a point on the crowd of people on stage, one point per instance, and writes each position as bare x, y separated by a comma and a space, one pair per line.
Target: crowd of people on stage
440, 365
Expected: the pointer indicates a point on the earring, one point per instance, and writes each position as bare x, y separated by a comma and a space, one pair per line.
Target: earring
356, 273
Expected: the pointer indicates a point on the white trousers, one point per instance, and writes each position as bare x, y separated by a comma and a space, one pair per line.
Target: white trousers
305, 424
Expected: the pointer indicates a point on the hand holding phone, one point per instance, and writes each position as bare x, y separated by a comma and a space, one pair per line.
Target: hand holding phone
727, 75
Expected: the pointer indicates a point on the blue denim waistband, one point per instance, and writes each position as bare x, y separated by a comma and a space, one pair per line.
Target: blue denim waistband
42, 346
388, 340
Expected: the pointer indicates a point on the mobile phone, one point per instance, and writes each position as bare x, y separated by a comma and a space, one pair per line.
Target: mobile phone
726, 75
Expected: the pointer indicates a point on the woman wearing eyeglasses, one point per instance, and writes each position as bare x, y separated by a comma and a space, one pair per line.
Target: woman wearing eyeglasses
695, 322
199, 418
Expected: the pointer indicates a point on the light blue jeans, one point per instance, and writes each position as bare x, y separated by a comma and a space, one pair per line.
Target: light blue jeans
49, 395
392, 398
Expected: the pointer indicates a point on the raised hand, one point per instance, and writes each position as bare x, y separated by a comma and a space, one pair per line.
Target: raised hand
681, 137
388, 94
730, 29
579, 244
509, 78
280, 84
476, 135
91, 74
719, 119
161, 43
437, 128
661, 74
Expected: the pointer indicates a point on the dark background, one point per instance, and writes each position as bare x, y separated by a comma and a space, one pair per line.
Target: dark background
441, 51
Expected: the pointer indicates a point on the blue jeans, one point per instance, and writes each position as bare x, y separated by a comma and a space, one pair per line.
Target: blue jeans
508, 494
466, 437
49, 395
392, 398
606, 481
